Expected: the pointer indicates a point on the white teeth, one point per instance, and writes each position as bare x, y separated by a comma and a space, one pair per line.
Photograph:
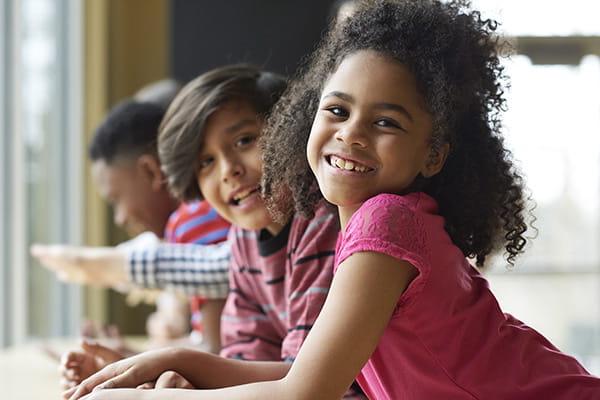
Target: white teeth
347, 165
243, 194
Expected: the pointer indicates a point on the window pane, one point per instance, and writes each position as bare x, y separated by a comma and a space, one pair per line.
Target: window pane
42, 151
553, 125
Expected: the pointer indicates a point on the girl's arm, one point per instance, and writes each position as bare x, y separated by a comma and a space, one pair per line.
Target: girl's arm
201, 369
362, 298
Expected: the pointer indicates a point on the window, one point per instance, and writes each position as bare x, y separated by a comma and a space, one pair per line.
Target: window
41, 156
552, 126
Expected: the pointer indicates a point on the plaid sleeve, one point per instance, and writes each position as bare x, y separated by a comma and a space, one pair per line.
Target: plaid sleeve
190, 269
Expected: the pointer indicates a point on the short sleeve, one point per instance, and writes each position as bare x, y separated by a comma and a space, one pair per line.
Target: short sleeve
387, 224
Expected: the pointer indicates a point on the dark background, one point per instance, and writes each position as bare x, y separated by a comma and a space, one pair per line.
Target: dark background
273, 34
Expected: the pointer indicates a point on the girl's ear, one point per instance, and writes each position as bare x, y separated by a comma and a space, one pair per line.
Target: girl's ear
437, 159
150, 169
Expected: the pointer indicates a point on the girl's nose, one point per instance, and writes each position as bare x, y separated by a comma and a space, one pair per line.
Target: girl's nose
353, 134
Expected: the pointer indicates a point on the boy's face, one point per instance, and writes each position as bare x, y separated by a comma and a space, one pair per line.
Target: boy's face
136, 191
230, 167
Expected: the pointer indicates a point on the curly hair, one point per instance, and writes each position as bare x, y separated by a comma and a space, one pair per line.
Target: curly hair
454, 55
181, 132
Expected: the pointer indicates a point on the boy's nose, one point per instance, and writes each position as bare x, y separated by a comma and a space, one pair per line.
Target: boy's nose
120, 217
232, 169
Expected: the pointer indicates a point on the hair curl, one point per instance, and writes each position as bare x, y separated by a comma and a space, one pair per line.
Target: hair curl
454, 55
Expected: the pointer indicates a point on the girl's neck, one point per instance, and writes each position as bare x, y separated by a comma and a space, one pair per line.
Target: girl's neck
345, 213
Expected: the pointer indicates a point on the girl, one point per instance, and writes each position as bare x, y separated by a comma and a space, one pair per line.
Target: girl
405, 141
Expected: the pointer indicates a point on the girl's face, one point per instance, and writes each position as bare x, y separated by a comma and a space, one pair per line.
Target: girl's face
231, 169
371, 133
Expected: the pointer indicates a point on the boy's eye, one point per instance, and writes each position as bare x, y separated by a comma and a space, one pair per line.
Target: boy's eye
338, 111
245, 140
205, 162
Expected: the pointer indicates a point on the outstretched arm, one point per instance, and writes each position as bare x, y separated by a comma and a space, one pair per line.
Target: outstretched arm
102, 266
204, 267
363, 296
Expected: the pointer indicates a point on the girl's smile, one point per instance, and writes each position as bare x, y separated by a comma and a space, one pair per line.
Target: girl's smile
371, 133
348, 164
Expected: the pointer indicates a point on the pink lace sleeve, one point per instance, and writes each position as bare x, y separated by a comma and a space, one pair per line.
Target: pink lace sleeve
388, 224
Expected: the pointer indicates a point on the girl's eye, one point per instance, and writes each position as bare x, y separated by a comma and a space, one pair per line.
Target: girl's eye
205, 162
245, 140
338, 111
388, 123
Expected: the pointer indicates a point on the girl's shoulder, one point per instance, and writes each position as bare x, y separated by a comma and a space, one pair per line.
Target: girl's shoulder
391, 224
395, 205
392, 217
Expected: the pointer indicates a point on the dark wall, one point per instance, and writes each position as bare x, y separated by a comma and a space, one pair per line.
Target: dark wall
274, 34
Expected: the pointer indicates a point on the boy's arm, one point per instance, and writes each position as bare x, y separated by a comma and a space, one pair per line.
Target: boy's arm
185, 268
190, 269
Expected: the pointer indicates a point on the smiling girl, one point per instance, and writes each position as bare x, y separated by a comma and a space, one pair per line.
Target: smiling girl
398, 114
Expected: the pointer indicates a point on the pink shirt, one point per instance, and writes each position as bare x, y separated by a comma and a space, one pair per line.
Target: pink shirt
448, 338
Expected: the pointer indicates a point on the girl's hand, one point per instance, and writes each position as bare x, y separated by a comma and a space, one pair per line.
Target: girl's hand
116, 394
127, 373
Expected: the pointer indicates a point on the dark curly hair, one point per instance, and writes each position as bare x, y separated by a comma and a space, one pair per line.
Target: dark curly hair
454, 55
181, 132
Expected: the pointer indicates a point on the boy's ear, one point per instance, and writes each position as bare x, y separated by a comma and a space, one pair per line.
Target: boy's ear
436, 161
150, 168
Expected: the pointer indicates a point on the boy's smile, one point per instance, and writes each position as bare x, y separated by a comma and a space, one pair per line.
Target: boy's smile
371, 132
230, 167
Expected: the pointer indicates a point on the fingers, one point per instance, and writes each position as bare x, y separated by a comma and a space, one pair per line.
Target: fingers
101, 266
171, 379
97, 350
93, 381
62, 260
147, 385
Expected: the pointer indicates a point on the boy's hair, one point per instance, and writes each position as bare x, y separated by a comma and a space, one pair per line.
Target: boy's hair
453, 54
128, 131
160, 92
182, 130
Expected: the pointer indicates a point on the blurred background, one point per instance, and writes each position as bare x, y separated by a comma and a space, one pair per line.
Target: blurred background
64, 63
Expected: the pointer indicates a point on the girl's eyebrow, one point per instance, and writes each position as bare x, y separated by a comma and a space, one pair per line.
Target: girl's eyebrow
383, 105
341, 95
395, 107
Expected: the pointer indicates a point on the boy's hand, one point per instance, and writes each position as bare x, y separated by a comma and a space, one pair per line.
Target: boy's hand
76, 366
102, 266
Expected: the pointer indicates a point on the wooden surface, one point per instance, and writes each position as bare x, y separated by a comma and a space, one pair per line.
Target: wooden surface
27, 373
